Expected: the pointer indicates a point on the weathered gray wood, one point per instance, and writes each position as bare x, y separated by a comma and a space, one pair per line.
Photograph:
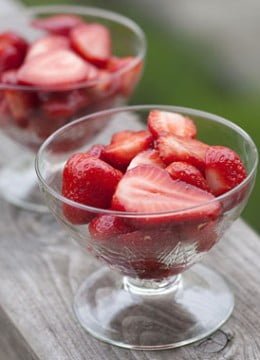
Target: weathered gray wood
41, 269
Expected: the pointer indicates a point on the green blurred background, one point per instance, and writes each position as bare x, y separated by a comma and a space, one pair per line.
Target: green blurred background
184, 69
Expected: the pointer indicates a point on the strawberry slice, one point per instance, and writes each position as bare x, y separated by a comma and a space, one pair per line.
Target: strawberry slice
126, 146
163, 122
57, 24
190, 174
147, 157
47, 44
150, 189
92, 42
107, 227
59, 67
12, 51
173, 148
224, 169
129, 75
89, 181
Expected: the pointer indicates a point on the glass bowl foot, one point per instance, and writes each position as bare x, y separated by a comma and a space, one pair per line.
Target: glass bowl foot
19, 186
152, 315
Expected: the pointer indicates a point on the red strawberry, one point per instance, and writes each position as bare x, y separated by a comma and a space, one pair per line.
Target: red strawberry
9, 77
190, 174
57, 24
149, 189
163, 122
107, 227
47, 44
12, 51
224, 169
59, 67
126, 146
93, 42
96, 151
89, 181
147, 157
174, 148
130, 71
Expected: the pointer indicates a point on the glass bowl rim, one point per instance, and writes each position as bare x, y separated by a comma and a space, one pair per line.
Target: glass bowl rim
91, 11
129, 214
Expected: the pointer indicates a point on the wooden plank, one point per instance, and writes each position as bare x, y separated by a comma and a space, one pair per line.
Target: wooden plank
41, 269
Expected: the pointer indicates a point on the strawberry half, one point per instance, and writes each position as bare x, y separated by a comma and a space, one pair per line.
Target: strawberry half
56, 68
150, 189
12, 51
190, 174
224, 169
163, 122
89, 181
47, 44
125, 146
147, 157
173, 148
93, 42
57, 24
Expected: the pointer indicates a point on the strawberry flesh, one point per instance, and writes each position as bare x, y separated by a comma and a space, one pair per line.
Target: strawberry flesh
224, 169
47, 44
92, 42
126, 146
57, 24
163, 122
147, 157
149, 189
190, 174
89, 181
173, 148
59, 67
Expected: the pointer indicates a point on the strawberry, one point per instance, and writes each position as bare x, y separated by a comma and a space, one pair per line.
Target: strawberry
12, 51
190, 174
147, 157
224, 169
126, 146
107, 227
130, 70
163, 122
47, 44
149, 189
57, 24
9, 77
173, 148
89, 181
56, 68
92, 42
96, 151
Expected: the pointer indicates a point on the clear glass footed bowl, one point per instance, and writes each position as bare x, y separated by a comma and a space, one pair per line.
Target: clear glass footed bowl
29, 114
153, 294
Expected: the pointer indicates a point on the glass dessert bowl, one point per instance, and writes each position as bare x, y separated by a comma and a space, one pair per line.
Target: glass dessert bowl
152, 294
48, 77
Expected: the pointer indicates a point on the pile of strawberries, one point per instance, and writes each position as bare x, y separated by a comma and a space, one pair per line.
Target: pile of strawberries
166, 180
57, 71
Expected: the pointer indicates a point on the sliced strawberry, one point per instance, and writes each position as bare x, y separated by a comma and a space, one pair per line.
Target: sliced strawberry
107, 227
190, 174
129, 77
89, 181
173, 148
224, 169
9, 77
128, 144
57, 24
147, 157
164, 122
93, 42
96, 151
47, 44
59, 67
150, 189
12, 51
